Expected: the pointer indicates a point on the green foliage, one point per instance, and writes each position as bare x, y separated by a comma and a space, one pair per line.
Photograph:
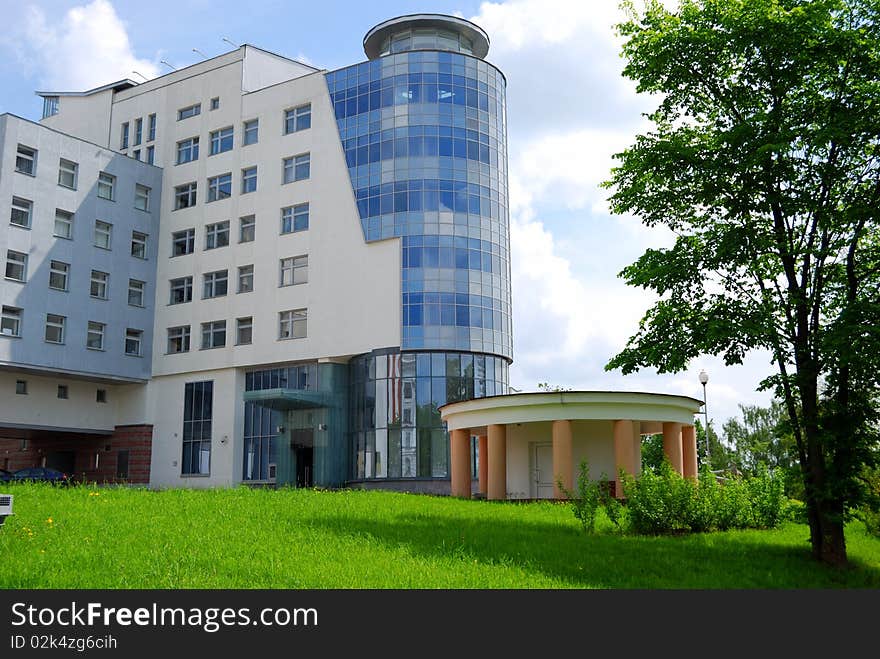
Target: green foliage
870, 511
767, 497
587, 498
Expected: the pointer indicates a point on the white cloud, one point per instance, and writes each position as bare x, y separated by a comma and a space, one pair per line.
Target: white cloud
86, 47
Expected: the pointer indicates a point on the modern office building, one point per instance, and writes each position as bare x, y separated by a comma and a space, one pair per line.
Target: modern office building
303, 267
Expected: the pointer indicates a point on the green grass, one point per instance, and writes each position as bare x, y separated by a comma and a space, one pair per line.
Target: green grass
85, 537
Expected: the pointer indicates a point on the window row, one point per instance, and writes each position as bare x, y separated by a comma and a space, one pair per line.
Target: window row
293, 270
138, 131
56, 331
293, 219
21, 388
292, 324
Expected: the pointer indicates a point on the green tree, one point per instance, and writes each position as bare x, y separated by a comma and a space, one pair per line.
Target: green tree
761, 437
763, 160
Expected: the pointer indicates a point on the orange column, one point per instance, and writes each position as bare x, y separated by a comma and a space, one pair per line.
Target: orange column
623, 453
483, 464
497, 476
672, 445
689, 451
562, 469
460, 463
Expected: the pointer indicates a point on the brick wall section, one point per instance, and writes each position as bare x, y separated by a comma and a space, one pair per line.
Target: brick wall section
137, 440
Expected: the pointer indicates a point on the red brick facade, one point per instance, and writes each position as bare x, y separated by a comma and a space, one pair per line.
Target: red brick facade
87, 458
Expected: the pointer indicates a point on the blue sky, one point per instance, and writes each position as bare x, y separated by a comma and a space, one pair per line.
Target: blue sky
569, 110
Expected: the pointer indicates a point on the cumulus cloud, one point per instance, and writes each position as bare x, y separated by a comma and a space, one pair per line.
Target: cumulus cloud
86, 47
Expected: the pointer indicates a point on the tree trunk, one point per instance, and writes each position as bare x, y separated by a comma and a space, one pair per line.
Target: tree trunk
829, 544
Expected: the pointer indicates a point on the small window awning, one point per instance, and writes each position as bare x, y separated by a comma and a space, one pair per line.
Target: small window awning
288, 399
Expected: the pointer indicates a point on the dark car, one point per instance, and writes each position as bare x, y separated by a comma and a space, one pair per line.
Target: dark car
41, 474
5, 476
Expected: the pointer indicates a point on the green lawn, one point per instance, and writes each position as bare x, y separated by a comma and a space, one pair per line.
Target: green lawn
85, 537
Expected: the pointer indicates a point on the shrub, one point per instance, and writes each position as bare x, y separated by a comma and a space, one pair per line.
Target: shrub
586, 500
766, 495
870, 510
703, 514
658, 502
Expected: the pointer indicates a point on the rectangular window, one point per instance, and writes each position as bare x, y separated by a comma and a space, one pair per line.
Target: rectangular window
136, 154
106, 183
62, 391
298, 118
138, 131
21, 387
189, 111
151, 155
63, 224
181, 290
244, 331
95, 336
178, 339
247, 229
220, 187
251, 132
103, 234
26, 160
185, 196
136, 292
133, 338
221, 140
10, 321
183, 242
101, 395
58, 275
142, 197
16, 265
294, 270
198, 400
215, 103
245, 278
295, 218
293, 324
213, 334
21, 212
151, 128
50, 106
139, 244
217, 235
297, 168
123, 138
215, 284
122, 464
99, 284
55, 328
67, 173
248, 180
187, 150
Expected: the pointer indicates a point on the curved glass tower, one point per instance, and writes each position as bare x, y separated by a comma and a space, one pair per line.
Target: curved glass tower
423, 125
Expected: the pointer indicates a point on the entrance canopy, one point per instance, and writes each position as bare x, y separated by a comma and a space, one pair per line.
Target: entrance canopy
288, 399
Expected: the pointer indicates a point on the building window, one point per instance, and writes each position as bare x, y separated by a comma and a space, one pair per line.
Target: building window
213, 334
21, 387
123, 139
122, 464
10, 321
136, 154
50, 106
187, 150
251, 132
151, 155
244, 331
295, 218
106, 183
55, 328
103, 233
221, 140
139, 244
245, 278
198, 402
181, 290
16, 265
62, 391
58, 275
220, 187
247, 229
297, 168
293, 324
215, 103
178, 339
136, 292
95, 335
298, 118
63, 224
185, 196
215, 284
26, 160
294, 270
138, 131
142, 197
189, 111
183, 242
100, 284
101, 395
217, 235
21, 212
67, 172
248, 180
151, 128
133, 339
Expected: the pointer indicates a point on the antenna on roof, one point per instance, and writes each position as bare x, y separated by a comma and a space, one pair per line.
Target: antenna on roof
196, 50
141, 75
167, 64
234, 45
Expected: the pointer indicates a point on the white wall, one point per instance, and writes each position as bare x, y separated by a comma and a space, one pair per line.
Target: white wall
263, 69
85, 117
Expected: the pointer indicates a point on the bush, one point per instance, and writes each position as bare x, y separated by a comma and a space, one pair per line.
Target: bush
586, 500
658, 502
767, 497
870, 510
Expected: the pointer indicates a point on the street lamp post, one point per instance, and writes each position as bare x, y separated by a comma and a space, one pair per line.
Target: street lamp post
704, 378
